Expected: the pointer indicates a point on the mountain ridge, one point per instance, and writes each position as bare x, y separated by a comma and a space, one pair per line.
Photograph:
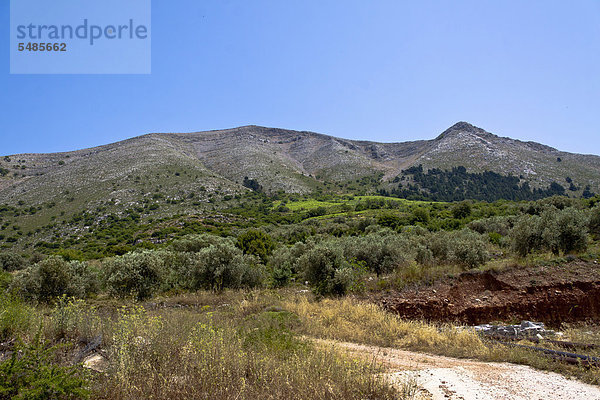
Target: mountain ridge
288, 160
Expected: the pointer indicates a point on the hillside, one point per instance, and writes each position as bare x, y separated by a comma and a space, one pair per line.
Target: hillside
165, 175
278, 159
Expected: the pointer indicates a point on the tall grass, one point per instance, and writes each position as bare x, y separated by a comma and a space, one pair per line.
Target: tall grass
180, 354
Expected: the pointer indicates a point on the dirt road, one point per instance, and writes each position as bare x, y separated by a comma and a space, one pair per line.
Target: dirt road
450, 378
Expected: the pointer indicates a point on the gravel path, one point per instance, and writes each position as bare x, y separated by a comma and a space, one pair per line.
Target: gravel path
457, 379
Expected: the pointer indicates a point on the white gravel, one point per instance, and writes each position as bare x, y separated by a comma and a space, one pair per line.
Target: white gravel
446, 378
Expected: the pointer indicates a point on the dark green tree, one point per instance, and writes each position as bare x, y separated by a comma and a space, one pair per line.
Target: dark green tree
257, 243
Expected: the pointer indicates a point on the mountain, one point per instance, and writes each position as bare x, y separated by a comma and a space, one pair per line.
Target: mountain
201, 164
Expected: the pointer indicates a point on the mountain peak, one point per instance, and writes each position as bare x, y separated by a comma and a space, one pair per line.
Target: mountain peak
462, 127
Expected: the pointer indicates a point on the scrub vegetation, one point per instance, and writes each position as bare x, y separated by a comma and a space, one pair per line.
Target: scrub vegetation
228, 306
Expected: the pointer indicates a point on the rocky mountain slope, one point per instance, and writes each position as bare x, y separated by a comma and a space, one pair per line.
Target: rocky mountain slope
218, 161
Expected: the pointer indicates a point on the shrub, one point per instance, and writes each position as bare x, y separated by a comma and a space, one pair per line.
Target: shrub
177, 267
439, 246
468, 249
257, 243
381, 252
31, 374
423, 255
281, 267
15, 317
594, 225
558, 202
85, 279
572, 230
526, 235
53, 277
224, 266
326, 269
465, 247
133, 274
495, 238
420, 214
555, 230
283, 264
390, 221
195, 243
461, 210
11, 262
499, 225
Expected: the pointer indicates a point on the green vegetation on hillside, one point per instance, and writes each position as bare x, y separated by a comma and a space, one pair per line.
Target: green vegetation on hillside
458, 184
257, 268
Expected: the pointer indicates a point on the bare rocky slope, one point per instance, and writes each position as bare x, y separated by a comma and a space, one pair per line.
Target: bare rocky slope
292, 161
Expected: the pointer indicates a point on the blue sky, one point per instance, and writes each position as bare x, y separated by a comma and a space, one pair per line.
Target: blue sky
374, 70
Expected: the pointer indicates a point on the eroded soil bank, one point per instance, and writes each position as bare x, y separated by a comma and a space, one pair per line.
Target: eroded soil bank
552, 294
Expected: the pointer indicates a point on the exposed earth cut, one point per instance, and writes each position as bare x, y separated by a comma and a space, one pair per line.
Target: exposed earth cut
552, 294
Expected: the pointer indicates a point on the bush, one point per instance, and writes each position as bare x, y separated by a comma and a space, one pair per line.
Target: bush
177, 267
420, 214
499, 225
461, 210
53, 277
467, 248
439, 245
195, 243
11, 262
281, 267
15, 317
495, 238
223, 266
424, 256
390, 221
594, 225
31, 374
526, 235
257, 243
554, 230
572, 230
283, 264
326, 269
381, 252
134, 274
85, 279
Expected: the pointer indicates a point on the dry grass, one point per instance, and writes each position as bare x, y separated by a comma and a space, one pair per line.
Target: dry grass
350, 320
222, 355
248, 345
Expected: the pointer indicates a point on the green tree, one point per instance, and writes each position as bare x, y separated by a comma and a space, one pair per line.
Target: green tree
461, 210
421, 214
257, 243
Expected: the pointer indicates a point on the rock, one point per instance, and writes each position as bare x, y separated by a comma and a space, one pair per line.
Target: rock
524, 329
95, 362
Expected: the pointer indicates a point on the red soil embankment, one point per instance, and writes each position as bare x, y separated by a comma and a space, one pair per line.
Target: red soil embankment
550, 294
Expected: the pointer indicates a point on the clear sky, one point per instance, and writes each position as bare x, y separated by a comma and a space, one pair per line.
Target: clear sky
375, 70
